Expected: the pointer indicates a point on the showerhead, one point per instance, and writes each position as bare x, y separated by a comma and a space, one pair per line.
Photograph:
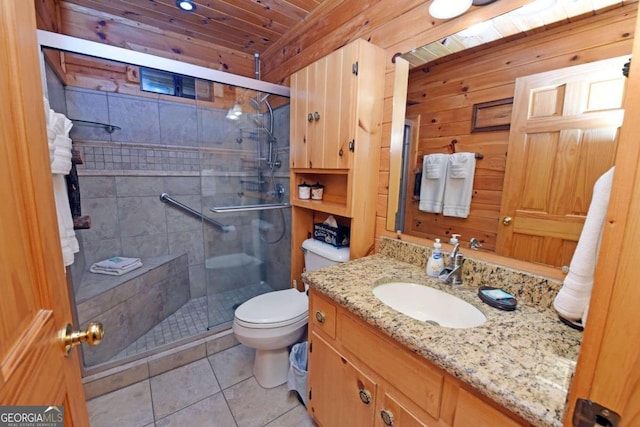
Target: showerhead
257, 104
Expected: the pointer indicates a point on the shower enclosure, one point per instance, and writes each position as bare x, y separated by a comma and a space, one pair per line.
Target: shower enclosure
184, 170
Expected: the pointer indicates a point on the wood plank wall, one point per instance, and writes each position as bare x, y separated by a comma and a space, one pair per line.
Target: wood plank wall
443, 97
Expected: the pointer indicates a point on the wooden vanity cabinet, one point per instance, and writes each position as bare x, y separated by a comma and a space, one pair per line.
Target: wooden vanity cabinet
358, 376
336, 132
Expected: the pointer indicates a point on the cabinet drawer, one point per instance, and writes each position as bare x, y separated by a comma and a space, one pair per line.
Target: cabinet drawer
322, 314
393, 413
418, 381
471, 411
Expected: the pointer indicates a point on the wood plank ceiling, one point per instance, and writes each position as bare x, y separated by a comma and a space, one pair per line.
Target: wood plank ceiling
530, 19
249, 26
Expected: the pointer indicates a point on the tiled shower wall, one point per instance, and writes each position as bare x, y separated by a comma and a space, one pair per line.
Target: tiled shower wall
188, 151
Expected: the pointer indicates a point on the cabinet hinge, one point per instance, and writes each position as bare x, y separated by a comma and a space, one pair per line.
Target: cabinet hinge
591, 414
354, 68
309, 394
352, 145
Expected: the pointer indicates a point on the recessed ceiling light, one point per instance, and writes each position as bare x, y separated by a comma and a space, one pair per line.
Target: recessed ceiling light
186, 5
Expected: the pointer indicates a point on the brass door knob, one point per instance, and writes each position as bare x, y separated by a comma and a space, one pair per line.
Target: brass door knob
92, 335
320, 316
507, 220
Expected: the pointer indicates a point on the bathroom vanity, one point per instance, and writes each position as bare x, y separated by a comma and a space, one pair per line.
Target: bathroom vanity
371, 365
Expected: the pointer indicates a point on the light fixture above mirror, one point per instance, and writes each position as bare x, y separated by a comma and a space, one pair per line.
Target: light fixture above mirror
447, 9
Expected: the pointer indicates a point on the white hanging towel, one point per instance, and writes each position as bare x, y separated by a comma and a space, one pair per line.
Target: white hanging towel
58, 127
573, 298
434, 173
459, 185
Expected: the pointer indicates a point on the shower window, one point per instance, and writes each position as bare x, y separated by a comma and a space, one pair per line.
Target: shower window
167, 83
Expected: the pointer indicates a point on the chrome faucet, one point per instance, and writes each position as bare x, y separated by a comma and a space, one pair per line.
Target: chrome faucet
453, 253
453, 273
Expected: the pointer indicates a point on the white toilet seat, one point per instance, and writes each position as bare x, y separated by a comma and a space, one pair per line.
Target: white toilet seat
273, 310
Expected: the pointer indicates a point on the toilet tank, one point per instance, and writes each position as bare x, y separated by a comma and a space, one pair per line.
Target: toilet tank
318, 254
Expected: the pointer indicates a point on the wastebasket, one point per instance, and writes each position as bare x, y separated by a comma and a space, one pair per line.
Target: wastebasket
297, 378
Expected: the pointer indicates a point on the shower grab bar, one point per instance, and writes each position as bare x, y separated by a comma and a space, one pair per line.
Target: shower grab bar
165, 198
246, 208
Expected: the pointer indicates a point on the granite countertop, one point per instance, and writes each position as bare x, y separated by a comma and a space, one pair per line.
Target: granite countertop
523, 360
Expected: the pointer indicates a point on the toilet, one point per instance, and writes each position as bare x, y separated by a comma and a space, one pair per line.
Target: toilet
273, 321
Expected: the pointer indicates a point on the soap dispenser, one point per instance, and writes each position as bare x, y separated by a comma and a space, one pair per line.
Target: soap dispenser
435, 264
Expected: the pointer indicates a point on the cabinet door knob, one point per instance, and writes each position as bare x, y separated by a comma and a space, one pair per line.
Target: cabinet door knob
365, 396
507, 220
387, 417
340, 153
316, 116
320, 316
310, 117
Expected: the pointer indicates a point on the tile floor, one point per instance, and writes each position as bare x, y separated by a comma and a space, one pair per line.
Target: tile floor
193, 318
216, 391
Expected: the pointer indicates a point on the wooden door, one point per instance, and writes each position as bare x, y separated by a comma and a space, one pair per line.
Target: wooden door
317, 84
608, 369
299, 124
35, 304
340, 107
564, 131
337, 388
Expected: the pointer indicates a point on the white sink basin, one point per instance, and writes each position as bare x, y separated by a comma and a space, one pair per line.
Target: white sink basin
429, 305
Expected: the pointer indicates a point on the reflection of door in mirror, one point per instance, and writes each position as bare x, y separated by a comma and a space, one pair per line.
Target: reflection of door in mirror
564, 131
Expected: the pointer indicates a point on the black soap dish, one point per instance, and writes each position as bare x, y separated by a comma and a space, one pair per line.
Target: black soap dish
497, 298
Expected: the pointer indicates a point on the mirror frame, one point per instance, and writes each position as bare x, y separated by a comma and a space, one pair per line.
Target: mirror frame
398, 113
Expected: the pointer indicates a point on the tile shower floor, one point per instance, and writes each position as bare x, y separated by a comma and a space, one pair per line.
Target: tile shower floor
192, 319
216, 391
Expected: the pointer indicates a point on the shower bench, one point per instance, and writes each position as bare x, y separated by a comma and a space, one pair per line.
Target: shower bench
130, 305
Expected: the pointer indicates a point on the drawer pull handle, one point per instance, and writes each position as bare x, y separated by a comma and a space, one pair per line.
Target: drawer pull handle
320, 316
365, 396
387, 417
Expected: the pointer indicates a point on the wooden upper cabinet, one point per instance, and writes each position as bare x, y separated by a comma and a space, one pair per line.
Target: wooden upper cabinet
336, 133
323, 110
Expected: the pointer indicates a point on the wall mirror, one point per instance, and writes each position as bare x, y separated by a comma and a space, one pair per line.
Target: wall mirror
477, 67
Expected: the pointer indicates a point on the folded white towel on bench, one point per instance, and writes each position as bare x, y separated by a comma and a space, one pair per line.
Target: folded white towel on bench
116, 266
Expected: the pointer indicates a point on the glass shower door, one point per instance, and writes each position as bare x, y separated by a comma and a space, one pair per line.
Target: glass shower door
245, 182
